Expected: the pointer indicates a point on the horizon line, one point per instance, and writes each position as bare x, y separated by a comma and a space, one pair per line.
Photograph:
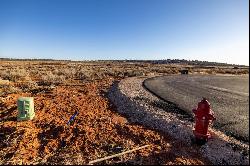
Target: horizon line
71, 60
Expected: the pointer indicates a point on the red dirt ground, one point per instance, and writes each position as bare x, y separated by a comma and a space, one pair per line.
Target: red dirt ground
97, 131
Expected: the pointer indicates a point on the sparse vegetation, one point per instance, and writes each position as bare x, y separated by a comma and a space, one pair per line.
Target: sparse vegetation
29, 74
50, 78
62, 87
8, 89
59, 72
14, 74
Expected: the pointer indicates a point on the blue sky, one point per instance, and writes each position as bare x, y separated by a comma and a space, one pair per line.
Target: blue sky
212, 30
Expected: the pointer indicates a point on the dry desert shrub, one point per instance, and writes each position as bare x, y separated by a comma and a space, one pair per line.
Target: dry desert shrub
8, 89
4, 82
109, 72
50, 78
159, 70
83, 74
211, 71
35, 71
244, 71
69, 73
28, 85
231, 71
133, 73
164, 70
241, 71
14, 74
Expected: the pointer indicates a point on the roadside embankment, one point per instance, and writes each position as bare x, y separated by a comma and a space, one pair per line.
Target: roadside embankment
140, 106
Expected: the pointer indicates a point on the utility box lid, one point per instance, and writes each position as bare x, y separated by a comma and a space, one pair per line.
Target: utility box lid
25, 99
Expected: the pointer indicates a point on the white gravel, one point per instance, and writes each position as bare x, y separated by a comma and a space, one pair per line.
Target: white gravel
139, 106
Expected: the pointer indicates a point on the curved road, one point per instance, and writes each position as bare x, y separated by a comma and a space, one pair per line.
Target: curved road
228, 96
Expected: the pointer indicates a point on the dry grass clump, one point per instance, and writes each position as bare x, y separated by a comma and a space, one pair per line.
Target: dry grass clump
4, 82
211, 72
28, 85
218, 70
231, 70
83, 74
50, 78
69, 73
8, 89
14, 74
133, 73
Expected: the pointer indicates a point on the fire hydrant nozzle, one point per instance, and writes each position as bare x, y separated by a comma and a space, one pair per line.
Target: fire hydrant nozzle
203, 117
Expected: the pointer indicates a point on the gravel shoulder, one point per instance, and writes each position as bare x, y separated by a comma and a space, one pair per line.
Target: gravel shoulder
140, 106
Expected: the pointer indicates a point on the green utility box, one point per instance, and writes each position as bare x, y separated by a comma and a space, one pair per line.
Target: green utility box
25, 106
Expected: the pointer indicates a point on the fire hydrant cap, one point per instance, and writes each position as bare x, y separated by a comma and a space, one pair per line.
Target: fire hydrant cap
205, 101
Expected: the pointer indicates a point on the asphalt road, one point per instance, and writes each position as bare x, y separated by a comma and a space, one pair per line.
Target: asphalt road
228, 96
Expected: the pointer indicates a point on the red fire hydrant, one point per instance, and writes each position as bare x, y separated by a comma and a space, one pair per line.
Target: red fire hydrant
203, 117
